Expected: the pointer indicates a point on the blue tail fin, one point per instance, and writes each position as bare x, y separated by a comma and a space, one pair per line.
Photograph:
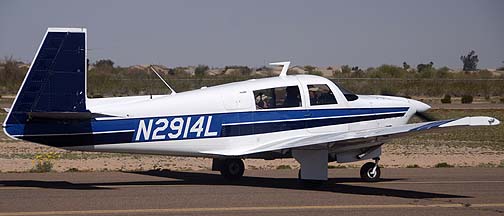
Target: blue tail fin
56, 80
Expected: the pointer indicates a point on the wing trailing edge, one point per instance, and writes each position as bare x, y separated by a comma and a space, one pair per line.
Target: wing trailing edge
384, 134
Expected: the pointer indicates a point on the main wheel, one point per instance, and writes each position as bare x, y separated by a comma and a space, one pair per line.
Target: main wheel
368, 173
232, 168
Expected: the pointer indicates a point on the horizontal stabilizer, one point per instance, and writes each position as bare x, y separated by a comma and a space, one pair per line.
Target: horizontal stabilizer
66, 115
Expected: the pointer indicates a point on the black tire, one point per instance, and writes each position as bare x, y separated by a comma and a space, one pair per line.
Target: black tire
366, 175
232, 168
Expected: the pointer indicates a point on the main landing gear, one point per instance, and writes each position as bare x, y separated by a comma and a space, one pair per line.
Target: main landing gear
370, 172
232, 168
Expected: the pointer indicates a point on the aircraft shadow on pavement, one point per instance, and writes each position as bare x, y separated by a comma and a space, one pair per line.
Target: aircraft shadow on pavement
336, 185
51, 185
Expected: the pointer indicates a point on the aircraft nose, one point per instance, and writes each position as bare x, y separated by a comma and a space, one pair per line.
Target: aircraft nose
419, 106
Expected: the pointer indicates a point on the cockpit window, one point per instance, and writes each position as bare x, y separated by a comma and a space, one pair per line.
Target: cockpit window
350, 96
321, 94
281, 97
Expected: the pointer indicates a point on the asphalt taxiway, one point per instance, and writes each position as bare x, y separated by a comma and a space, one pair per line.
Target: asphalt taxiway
443, 191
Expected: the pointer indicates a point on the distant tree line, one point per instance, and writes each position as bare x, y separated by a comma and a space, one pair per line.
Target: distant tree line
106, 79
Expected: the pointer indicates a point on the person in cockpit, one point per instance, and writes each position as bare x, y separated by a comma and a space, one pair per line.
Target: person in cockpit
292, 97
261, 101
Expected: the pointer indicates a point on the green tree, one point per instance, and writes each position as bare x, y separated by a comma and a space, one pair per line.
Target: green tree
345, 69
200, 70
470, 61
389, 71
11, 74
425, 67
104, 65
406, 66
502, 67
443, 72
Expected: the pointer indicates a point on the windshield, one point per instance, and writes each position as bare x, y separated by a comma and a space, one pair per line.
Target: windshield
350, 96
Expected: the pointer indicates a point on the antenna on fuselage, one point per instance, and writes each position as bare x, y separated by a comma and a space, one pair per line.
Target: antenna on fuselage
285, 67
161, 78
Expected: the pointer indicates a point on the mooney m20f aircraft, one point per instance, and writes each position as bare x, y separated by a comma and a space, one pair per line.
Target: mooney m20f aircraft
305, 117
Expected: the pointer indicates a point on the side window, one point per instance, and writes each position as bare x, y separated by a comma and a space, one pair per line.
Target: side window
281, 97
321, 94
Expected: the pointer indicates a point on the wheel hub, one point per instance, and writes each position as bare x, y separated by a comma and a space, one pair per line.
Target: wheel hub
234, 168
372, 173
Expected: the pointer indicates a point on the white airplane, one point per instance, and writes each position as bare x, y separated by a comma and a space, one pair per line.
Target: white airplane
305, 117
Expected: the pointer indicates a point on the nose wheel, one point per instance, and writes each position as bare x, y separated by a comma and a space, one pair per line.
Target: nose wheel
370, 172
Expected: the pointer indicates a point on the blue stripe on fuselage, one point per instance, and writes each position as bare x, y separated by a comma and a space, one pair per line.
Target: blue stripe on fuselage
264, 121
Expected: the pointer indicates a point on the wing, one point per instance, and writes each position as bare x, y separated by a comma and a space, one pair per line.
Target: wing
382, 134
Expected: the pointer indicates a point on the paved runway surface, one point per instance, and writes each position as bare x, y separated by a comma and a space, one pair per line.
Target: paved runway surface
453, 191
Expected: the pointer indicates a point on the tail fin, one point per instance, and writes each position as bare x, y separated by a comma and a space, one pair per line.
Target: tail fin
56, 80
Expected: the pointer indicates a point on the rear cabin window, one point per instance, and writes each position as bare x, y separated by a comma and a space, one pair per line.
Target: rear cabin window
281, 97
321, 94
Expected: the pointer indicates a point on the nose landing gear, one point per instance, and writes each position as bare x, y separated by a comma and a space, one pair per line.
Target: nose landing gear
370, 172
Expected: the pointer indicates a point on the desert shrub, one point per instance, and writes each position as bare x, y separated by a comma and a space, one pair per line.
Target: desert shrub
336, 167
309, 68
346, 69
284, 167
42, 166
487, 165
316, 72
240, 70
443, 165
96, 96
43, 162
446, 99
200, 70
389, 90
413, 166
73, 169
467, 99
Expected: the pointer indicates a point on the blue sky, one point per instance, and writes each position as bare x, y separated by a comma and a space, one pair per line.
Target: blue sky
253, 33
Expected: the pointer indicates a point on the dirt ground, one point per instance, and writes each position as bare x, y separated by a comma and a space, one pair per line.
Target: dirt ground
20, 157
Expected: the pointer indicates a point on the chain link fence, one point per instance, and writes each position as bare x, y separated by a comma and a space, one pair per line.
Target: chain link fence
388, 86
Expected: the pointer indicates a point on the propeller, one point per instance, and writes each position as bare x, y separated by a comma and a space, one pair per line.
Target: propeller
425, 117
421, 109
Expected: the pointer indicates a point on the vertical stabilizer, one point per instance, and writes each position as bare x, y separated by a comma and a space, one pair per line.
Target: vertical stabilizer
56, 80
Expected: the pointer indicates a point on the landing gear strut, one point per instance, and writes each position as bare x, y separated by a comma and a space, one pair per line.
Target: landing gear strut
370, 172
232, 168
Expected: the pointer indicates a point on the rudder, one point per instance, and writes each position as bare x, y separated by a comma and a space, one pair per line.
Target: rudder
56, 80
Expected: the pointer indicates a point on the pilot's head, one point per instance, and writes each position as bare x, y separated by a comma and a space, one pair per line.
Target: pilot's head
313, 91
292, 90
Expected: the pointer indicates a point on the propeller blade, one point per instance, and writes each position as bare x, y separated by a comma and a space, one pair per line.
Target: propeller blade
425, 116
